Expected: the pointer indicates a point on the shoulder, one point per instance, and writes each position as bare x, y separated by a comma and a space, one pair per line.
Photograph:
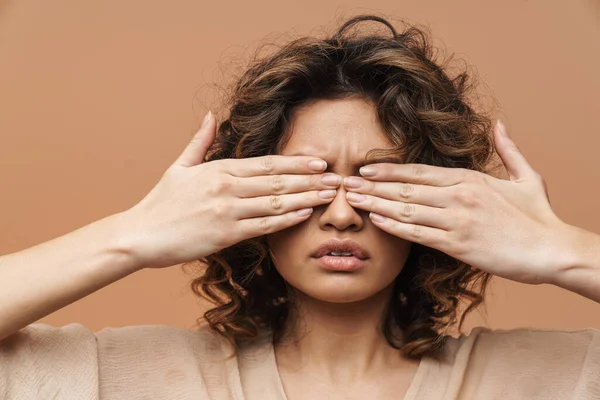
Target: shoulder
39, 342
116, 361
48, 361
150, 342
39, 333
537, 340
543, 363
166, 362
43, 340
532, 343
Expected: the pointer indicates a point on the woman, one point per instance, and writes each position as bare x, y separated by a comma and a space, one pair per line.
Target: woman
329, 280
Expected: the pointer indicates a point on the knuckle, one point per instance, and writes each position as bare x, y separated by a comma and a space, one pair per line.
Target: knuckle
407, 210
467, 196
416, 231
276, 202
222, 185
420, 172
406, 191
264, 224
221, 210
267, 163
277, 183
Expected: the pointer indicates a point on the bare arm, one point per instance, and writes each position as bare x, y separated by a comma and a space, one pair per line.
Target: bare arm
44, 278
581, 273
170, 226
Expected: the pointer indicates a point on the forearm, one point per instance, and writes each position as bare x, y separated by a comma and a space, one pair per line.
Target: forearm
44, 278
580, 270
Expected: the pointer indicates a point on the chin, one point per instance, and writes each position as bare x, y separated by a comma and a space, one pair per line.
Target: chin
339, 289
340, 298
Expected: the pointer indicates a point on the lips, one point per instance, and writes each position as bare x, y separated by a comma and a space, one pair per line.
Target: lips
341, 246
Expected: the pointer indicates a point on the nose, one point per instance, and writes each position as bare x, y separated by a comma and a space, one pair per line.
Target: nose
339, 214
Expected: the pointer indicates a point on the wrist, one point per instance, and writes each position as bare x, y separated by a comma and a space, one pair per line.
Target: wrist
123, 243
577, 268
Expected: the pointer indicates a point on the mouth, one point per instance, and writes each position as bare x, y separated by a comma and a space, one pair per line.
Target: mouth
341, 264
337, 248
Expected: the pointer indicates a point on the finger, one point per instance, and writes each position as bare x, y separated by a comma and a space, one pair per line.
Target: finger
253, 227
404, 212
425, 235
196, 150
514, 161
283, 184
421, 174
273, 165
280, 204
432, 196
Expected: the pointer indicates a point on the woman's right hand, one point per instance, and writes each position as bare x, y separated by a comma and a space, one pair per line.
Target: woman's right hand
199, 208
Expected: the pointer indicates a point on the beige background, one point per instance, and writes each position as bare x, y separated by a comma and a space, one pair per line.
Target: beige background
98, 98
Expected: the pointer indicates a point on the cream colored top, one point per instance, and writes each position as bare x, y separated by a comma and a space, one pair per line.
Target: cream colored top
162, 362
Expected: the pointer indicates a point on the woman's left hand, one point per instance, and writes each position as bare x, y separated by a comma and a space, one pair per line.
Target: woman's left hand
504, 227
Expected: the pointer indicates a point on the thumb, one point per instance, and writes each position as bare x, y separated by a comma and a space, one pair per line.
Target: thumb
195, 151
514, 161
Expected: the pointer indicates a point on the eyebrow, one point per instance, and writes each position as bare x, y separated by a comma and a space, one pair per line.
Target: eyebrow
387, 159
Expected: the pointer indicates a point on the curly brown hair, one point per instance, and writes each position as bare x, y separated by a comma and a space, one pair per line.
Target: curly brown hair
427, 116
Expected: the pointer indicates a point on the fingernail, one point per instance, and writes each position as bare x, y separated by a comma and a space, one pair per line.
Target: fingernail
355, 197
304, 212
317, 165
502, 128
327, 194
376, 217
367, 171
206, 119
352, 182
332, 180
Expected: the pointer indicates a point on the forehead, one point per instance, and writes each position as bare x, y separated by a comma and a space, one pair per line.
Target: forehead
344, 126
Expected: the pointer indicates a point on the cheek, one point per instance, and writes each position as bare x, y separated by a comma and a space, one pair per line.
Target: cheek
394, 253
289, 250
285, 240
390, 256
283, 246
279, 242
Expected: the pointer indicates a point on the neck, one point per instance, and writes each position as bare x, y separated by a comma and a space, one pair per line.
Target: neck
338, 341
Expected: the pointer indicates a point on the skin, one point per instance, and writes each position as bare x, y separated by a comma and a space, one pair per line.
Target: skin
504, 227
336, 341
